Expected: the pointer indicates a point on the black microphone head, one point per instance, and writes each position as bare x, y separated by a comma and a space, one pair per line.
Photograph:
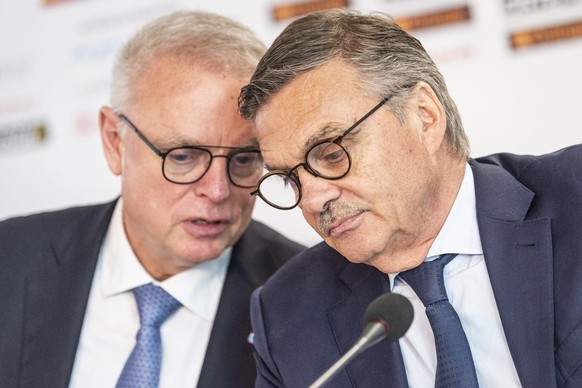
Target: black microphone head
392, 310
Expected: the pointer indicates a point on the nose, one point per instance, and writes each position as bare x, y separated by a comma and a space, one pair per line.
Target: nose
215, 184
316, 192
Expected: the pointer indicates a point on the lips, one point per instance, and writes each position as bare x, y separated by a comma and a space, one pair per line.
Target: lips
341, 225
205, 227
209, 219
207, 222
337, 218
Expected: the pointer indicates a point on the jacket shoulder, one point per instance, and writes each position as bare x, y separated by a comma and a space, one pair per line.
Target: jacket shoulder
25, 236
566, 161
64, 217
314, 275
271, 237
261, 251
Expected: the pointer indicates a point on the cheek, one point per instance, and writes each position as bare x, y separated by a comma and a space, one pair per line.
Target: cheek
155, 202
141, 186
137, 165
144, 183
243, 203
369, 177
311, 219
243, 208
388, 166
247, 203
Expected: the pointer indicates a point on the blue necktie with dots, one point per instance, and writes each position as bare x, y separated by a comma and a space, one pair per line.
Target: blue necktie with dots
455, 366
142, 369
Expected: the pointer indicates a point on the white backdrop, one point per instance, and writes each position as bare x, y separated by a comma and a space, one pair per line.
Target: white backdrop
56, 56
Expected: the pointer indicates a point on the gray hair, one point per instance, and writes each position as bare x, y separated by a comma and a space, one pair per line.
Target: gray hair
209, 40
389, 60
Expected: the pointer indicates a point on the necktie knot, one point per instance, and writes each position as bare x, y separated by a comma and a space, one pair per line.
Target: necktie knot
427, 279
155, 305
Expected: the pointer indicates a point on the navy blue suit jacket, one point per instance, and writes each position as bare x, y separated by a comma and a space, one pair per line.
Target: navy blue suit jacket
530, 220
47, 263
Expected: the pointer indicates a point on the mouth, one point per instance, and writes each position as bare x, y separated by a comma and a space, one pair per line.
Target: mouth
342, 225
338, 219
205, 222
206, 228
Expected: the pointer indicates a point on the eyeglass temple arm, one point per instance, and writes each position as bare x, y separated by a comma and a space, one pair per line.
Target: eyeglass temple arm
141, 136
363, 118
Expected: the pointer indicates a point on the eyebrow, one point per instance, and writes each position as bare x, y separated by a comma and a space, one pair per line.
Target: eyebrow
175, 141
325, 132
328, 131
181, 141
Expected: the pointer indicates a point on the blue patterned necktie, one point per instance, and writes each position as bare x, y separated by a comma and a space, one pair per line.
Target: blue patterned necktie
455, 366
142, 369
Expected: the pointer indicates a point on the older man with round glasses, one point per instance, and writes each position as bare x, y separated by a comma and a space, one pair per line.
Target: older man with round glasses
487, 250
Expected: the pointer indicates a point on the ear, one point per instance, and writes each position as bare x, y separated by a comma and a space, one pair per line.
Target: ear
432, 117
111, 139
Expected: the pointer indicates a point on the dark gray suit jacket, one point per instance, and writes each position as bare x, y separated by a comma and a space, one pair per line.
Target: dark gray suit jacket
529, 212
47, 263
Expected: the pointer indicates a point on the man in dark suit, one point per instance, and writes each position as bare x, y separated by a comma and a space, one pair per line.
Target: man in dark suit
182, 227
355, 121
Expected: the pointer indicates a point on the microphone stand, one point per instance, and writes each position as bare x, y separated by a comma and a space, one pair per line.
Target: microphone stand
374, 333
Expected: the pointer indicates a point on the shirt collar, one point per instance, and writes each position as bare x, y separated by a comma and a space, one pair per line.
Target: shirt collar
197, 288
460, 232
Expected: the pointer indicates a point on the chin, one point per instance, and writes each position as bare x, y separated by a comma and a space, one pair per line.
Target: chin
198, 253
347, 250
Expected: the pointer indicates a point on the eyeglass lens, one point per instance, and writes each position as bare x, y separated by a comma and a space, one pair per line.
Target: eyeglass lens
188, 164
327, 160
280, 191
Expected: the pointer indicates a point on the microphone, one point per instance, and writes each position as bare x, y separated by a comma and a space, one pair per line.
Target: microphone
388, 317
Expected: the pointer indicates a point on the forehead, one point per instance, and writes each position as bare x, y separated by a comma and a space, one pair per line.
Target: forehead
315, 105
186, 102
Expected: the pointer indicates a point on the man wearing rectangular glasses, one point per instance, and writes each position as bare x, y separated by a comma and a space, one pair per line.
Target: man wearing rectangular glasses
152, 289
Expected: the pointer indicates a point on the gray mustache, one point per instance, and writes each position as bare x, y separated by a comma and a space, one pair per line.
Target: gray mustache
334, 211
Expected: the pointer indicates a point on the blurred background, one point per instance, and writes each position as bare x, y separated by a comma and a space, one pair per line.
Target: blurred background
513, 67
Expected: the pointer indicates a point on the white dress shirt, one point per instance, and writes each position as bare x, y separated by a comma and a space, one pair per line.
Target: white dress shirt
112, 319
469, 291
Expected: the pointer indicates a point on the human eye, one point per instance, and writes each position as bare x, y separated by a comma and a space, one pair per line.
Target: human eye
327, 153
245, 164
247, 159
185, 156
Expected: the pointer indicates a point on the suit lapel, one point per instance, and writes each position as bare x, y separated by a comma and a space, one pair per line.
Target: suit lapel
55, 303
518, 254
380, 363
228, 361
228, 340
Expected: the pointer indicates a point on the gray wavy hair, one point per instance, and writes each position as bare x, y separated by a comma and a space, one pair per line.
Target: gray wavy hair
389, 60
202, 38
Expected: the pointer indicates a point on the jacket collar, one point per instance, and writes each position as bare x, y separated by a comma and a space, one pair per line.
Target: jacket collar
56, 298
519, 259
382, 362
